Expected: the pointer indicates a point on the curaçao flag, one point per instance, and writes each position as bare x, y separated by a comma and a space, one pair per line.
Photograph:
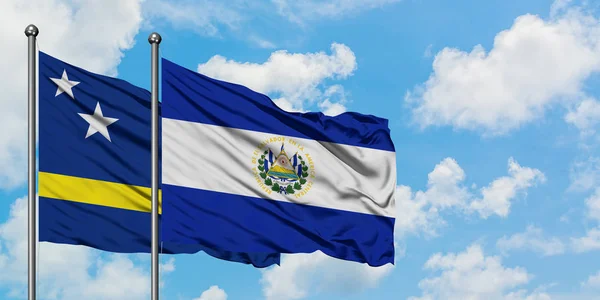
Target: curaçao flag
243, 175
94, 165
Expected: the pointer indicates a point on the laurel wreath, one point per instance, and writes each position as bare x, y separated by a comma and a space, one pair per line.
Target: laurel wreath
290, 188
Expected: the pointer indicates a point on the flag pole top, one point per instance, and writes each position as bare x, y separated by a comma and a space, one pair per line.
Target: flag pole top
32, 30
154, 38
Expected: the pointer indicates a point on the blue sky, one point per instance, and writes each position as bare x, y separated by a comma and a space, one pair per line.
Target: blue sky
493, 109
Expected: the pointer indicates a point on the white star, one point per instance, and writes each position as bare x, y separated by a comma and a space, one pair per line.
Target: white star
98, 123
64, 85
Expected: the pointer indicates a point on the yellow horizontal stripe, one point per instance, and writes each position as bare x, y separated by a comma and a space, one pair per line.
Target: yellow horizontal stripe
97, 192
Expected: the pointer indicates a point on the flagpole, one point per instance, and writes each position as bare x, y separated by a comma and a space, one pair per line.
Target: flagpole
154, 39
31, 32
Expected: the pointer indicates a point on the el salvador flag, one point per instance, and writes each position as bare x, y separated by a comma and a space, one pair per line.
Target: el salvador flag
240, 174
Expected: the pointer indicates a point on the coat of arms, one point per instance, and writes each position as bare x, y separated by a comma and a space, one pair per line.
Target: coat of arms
282, 173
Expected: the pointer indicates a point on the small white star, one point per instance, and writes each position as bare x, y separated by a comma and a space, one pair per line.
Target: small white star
98, 123
64, 85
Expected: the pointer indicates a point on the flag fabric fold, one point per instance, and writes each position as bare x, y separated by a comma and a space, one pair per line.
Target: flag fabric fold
243, 175
94, 165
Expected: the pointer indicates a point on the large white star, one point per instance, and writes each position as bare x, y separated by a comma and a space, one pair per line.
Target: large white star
64, 84
98, 123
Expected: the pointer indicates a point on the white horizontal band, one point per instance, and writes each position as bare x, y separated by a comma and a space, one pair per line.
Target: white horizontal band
225, 160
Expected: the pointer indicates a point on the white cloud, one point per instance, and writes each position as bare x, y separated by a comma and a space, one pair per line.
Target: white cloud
446, 190
118, 278
331, 109
428, 51
299, 274
295, 77
286, 105
523, 295
68, 271
68, 30
419, 211
262, 43
532, 239
215, 18
533, 65
201, 16
585, 174
593, 205
301, 11
213, 293
586, 117
335, 100
472, 275
589, 242
592, 282
415, 214
566, 217
496, 197
167, 267
559, 6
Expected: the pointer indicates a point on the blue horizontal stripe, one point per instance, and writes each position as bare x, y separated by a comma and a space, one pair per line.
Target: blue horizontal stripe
248, 224
193, 97
120, 230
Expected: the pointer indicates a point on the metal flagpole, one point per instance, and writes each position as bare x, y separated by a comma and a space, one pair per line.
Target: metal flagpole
31, 32
154, 39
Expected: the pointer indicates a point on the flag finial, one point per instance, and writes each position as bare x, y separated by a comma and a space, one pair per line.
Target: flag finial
154, 38
31, 30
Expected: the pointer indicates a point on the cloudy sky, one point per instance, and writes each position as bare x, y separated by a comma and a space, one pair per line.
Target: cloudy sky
493, 108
